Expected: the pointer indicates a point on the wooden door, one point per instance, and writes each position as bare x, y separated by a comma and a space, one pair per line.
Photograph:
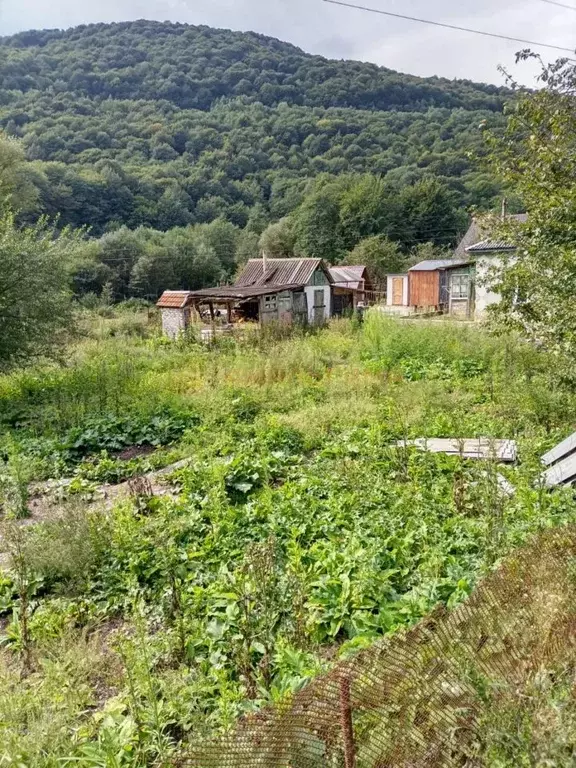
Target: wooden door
319, 307
397, 291
300, 307
285, 307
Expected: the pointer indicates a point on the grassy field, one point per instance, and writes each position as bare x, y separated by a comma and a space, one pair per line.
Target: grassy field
294, 536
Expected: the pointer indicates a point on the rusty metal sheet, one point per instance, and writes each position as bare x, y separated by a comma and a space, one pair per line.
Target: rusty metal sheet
278, 272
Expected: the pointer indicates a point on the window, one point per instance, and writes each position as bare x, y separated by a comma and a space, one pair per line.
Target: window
460, 286
270, 303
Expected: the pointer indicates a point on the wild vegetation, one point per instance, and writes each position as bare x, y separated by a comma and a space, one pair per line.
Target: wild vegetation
536, 154
294, 535
191, 533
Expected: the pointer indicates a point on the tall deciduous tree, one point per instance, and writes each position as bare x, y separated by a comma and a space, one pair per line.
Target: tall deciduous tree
316, 226
278, 240
537, 158
35, 307
17, 190
380, 255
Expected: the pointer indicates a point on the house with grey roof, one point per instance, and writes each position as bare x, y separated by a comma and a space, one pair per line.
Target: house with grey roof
485, 255
459, 286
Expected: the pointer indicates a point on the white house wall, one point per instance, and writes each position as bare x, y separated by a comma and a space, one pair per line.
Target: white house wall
484, 296
309, 291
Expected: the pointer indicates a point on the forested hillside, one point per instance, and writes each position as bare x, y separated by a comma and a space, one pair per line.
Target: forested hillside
167, 124
192, 67
179, 146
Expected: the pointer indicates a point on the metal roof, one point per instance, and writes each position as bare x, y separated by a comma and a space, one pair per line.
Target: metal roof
490, 245
174, 300
473, 235
478, 230
348, 276
280, 272
431, 265
562, 473
242, 293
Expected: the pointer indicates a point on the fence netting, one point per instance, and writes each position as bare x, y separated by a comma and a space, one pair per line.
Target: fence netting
414, 699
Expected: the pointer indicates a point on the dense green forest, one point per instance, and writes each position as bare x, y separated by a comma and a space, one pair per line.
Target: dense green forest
192, 67
161, 126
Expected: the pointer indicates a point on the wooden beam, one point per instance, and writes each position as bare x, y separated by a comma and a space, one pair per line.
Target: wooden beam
472, 448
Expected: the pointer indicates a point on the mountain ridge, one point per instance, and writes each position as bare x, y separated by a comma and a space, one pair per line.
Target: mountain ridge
203, 64
164, 125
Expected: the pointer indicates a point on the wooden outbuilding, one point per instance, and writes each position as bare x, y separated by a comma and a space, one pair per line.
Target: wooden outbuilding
297, 290
429, 284
304, 291
351, 287
283, 290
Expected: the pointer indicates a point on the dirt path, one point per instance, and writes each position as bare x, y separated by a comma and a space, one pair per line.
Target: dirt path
49, 500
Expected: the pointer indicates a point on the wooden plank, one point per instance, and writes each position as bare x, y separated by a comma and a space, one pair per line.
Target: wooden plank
424, 289
504, 451
562, 451
562, 473
397, 291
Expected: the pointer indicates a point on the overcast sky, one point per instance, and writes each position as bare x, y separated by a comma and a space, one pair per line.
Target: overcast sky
342, 32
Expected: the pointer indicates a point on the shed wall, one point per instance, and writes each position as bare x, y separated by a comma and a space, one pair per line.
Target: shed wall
174, 321
309, 291
390, 289
424, 289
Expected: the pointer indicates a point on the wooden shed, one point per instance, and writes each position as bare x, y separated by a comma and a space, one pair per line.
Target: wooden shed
351, 287
429, 284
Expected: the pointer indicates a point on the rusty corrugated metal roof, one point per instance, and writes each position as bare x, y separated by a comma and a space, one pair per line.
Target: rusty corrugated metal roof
238, 292
174, 299
279, 272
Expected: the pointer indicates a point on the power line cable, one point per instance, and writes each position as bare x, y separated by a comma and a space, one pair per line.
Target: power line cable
448, 26
560, 5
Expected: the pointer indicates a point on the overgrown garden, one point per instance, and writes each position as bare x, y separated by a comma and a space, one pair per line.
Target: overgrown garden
294, 535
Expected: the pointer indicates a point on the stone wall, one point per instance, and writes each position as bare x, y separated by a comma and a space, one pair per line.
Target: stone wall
173, 322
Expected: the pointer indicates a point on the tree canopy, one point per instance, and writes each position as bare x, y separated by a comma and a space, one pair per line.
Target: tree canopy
35, 306
537, 155
193, 67
168, 125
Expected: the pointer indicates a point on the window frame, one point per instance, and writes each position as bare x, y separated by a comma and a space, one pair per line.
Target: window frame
462, 280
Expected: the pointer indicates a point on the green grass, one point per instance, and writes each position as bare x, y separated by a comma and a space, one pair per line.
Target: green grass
298, 534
